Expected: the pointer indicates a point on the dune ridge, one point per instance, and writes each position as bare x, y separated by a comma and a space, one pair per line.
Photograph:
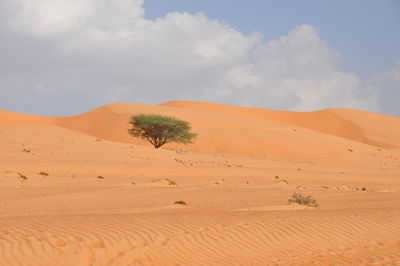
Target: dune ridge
350, 124
14, 118
110, 122
251, 130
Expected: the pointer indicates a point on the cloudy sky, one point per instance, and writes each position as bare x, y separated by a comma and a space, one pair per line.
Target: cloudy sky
63, 57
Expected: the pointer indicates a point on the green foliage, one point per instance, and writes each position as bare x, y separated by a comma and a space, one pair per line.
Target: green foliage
299, 199
159, 130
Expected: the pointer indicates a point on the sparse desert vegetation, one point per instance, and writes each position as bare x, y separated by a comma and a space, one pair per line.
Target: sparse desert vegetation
23, 177
303, 200
171, 182
44, 174
164, 180
180, 202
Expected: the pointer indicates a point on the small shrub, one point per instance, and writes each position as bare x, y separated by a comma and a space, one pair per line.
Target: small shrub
26, 150
299, 199
22, 176
180, 202
179, 161
43, 174
171, 182
100, 177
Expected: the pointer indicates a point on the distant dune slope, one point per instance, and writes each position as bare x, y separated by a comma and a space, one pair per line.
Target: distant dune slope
241, 130
13, 118
362, 126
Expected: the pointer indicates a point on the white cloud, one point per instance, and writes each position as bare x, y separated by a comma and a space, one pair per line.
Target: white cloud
387, 88
108, 51
47, 17
298, 72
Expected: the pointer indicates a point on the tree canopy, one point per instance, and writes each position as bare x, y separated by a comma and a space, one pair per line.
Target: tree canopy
159, 129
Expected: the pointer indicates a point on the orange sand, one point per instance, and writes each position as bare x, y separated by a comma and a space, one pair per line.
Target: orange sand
236, 180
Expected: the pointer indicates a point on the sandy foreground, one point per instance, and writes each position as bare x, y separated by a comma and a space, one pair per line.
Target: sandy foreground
80, 191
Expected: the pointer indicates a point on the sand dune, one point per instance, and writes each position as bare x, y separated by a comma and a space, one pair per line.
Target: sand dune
80, 191
13, 118
252, 131
350, 124
110, 122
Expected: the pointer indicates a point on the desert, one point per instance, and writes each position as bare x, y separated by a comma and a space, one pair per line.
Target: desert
199, 133
79, 190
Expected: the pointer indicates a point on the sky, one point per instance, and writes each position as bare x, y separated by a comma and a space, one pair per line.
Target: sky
64, 57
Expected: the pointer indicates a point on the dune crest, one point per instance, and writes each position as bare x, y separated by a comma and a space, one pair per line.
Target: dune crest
14, 118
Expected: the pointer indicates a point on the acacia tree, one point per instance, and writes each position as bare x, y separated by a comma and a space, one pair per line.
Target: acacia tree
159, 130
